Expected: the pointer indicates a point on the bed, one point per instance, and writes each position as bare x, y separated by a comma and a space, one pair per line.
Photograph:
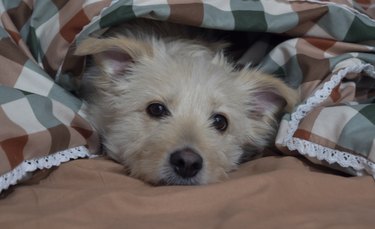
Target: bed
319, 175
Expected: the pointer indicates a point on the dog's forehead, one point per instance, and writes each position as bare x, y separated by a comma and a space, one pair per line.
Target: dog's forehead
195, 82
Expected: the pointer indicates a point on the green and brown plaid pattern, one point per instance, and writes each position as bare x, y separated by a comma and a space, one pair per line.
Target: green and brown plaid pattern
37, 116
304, 42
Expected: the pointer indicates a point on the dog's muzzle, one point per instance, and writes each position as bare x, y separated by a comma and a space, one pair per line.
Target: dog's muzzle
186, 163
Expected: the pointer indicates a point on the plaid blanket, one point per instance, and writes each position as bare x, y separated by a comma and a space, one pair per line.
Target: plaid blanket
323, 48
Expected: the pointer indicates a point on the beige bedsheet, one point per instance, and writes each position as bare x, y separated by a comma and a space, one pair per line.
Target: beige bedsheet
271, 192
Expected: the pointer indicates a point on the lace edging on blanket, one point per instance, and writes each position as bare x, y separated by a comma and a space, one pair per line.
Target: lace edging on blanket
46, 162
311, 149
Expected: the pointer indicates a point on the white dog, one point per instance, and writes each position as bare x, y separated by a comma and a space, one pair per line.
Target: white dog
172, 108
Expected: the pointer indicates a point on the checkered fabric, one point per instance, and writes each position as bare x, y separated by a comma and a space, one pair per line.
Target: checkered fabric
323, 48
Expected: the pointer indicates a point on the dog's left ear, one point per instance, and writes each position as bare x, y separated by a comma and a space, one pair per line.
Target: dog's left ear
115, 54
268, 96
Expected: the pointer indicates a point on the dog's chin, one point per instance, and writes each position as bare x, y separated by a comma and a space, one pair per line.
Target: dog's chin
171, 178
178, 181
166, 178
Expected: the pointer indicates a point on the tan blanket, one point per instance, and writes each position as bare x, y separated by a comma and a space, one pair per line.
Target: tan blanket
271, 192
323, 48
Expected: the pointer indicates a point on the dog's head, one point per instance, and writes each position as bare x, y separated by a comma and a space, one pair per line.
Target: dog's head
178, 112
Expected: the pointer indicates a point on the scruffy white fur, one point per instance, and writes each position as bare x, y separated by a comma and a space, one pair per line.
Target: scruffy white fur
135, 66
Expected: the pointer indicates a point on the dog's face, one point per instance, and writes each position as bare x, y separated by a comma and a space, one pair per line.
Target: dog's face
179, 113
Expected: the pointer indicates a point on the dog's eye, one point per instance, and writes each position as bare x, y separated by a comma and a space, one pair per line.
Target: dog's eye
157, 110
220, 122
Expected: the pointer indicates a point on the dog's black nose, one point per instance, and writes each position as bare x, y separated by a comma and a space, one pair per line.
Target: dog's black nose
186, 163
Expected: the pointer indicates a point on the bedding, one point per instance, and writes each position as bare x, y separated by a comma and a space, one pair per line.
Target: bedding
271, 192
323, 48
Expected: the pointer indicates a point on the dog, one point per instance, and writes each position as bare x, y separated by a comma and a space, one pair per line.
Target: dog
173, 108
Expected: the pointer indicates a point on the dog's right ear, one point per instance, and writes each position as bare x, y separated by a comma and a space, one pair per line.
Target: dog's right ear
115, 54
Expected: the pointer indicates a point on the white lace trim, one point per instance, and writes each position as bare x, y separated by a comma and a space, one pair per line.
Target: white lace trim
27, 166
304, 147
321, 153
